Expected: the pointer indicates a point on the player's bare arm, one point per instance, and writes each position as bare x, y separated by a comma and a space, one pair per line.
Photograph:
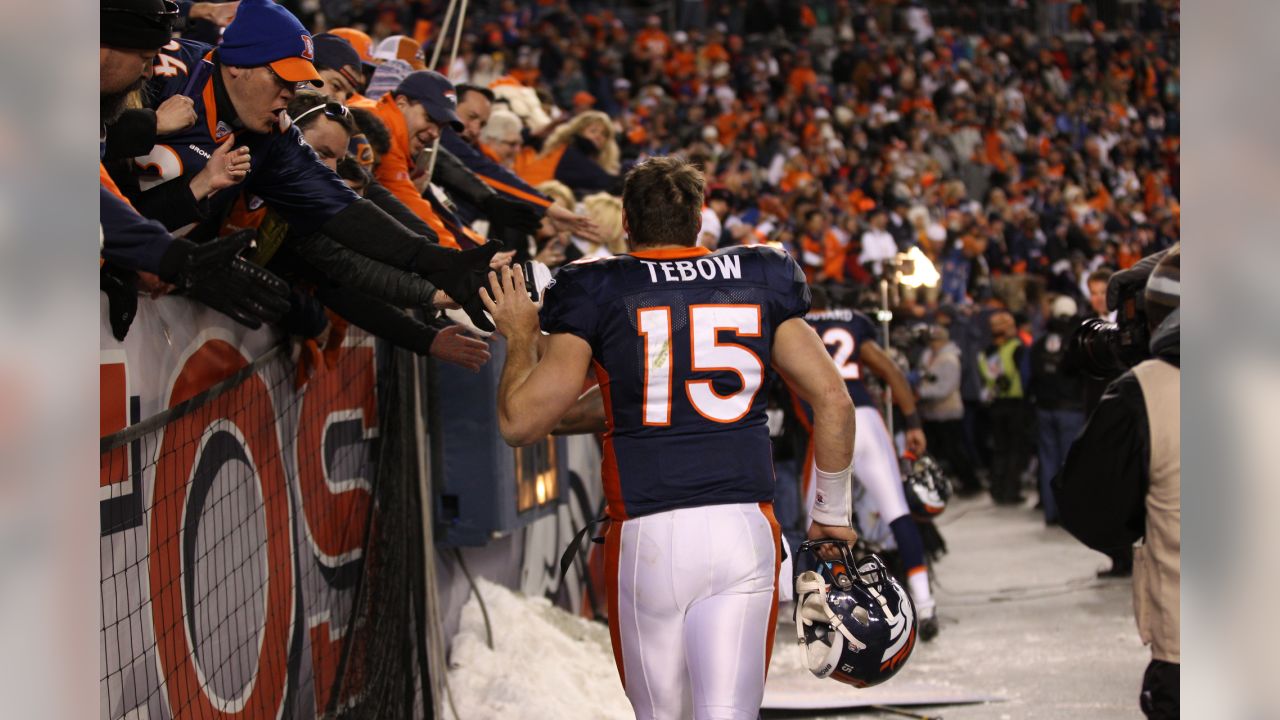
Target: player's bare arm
586, 415
533, 392
884, 368
802, 360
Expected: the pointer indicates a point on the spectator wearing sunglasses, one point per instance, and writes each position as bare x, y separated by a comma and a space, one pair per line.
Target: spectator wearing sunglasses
326, 126
240, 92
363, 291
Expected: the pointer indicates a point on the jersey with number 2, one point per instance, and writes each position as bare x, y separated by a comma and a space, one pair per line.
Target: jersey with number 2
844, 332
681, 342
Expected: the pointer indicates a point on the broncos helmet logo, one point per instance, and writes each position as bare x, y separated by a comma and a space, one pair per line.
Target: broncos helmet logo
902, 631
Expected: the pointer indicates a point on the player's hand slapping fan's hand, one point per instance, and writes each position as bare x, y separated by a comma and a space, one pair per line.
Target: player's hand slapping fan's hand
509, 304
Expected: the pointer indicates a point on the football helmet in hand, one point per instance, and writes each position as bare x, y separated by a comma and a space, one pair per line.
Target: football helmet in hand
856, 622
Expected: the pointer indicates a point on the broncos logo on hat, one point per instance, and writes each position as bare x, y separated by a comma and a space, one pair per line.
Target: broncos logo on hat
308, 48
451, 96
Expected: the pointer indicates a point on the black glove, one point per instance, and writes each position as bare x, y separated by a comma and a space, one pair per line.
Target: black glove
509, 213
1003, 383
461, 275
244, 292
121, 287
185, 262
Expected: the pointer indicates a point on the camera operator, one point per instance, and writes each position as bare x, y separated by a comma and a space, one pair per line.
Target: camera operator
1106, 346
1122, 478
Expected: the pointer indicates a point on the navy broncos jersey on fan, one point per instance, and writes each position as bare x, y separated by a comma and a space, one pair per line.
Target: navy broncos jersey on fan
844, 332
284, 172
681, 343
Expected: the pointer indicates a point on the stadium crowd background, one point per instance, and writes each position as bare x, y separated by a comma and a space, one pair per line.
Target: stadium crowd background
1026, 150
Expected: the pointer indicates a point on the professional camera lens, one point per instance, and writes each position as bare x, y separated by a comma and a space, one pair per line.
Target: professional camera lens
1096, 348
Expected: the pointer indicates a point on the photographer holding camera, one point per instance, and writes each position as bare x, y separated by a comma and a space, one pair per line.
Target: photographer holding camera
1122, 478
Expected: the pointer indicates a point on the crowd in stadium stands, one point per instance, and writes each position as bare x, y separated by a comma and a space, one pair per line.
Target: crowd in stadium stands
1024, 152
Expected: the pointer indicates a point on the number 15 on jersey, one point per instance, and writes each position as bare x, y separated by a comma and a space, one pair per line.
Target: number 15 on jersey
708, 354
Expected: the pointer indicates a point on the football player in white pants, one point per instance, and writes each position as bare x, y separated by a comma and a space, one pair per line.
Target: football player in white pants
681, 340
850, 338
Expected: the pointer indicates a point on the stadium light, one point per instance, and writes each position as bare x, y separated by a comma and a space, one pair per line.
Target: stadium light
915, 270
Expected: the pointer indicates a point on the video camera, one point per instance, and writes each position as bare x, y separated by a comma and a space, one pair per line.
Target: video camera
1106, 349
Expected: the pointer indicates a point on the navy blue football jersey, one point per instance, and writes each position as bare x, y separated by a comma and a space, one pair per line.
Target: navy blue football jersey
844, 332
681, 342
284, 171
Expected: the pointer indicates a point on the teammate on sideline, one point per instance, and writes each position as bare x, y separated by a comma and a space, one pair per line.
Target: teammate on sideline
679, 338
850, 338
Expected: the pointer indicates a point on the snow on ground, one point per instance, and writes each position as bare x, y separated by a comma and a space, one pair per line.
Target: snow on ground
546, 665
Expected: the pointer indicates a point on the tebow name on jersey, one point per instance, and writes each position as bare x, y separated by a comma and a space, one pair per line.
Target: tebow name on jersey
725, 267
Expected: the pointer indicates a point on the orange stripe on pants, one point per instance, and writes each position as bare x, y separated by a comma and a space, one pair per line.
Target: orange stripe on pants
767, 509
612, 551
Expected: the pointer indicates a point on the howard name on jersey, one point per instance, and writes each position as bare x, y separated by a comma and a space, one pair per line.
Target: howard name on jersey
284, 171
681, 342
844, 332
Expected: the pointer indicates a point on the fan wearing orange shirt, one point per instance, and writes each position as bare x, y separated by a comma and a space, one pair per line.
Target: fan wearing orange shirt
652, 42
414, 114
823, 256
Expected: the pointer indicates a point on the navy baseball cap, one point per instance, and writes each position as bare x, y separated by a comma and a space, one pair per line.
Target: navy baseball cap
264, 33
336, 54
436, 94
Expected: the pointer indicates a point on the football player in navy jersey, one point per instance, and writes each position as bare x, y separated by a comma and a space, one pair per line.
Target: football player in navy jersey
850, 337
681, 340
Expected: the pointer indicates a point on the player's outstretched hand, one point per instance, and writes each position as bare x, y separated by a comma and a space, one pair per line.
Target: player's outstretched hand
508, 303
818, 531
453, 345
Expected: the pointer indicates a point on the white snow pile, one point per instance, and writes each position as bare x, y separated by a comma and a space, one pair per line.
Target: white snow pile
546, 663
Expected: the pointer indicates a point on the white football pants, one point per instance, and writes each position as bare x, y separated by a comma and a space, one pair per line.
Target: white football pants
875, 468
692, 608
